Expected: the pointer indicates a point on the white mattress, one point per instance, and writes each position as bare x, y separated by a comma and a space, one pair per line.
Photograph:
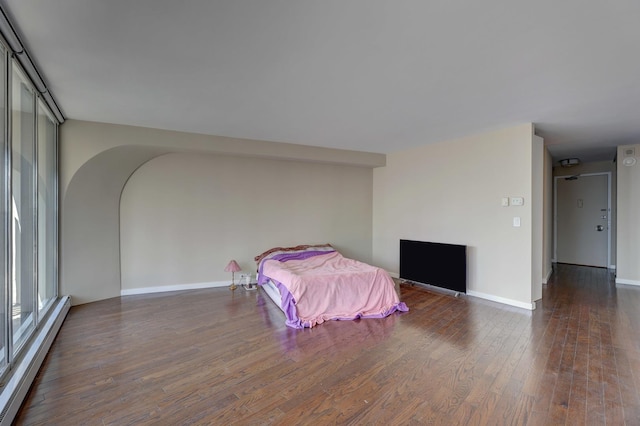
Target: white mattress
273, 292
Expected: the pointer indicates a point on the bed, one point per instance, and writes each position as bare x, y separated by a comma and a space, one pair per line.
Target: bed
315, 283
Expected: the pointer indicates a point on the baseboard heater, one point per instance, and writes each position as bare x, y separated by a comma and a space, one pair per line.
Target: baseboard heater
24, 372
436, 264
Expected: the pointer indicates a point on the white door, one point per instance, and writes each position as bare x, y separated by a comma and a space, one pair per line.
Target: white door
582, 232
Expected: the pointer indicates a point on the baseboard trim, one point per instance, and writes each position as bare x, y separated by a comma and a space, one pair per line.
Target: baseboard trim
503, 300
174, 287
627, 282
612, 267
546, 279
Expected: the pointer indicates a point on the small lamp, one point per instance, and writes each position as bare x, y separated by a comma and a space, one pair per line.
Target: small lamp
232, 267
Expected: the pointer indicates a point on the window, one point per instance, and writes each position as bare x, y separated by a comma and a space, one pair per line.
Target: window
22, 207
4, 194
31, 312
47, 209
28, 230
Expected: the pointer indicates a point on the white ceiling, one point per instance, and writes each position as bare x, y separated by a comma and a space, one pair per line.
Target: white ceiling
370, 75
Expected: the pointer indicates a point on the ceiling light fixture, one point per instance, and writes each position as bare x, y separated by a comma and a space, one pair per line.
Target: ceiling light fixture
569, 162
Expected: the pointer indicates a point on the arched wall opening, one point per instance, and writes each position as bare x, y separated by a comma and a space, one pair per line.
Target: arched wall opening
97, 161
90, 221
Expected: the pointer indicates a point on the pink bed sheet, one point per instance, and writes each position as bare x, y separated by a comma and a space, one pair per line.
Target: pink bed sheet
329, 286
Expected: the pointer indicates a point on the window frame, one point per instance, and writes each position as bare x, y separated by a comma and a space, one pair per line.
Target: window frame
11, 353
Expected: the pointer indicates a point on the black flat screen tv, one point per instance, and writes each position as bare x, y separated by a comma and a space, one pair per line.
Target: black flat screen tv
436, 264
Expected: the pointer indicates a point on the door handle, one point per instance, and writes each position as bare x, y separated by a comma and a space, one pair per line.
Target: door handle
599, 228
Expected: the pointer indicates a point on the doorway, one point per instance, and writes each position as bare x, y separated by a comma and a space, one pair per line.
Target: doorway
582, 225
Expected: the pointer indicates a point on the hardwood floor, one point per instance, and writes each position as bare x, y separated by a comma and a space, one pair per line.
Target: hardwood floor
217, 357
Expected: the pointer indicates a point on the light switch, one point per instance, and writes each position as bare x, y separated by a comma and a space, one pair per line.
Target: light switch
505, 201
517, 201
516, 222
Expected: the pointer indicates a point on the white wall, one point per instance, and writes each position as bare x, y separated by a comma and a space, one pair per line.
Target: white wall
184, 216
97, 159
450, 192
628, 232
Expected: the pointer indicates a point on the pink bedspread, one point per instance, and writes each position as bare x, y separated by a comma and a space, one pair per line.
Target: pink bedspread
330, 286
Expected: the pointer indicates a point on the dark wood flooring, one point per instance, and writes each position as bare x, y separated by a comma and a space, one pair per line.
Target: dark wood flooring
217, 357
